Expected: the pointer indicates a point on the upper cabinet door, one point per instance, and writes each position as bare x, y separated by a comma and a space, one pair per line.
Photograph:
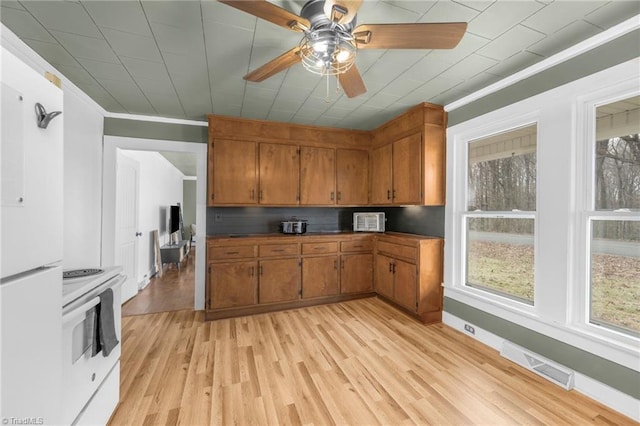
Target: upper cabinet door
381, 178
279, 174
407, 170
234, 174
317, 176
352, 177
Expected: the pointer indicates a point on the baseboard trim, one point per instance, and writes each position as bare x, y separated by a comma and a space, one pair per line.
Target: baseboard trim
604, 394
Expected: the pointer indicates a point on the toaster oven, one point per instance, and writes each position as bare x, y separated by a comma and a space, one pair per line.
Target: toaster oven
368, 222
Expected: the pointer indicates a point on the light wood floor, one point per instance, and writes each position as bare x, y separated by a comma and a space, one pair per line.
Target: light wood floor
173, 292
358, 362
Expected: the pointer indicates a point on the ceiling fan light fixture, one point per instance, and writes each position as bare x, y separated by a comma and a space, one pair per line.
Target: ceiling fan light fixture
327, 51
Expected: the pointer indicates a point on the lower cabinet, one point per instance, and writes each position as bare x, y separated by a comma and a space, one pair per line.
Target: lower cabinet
233, 284
384, 276
409, 273
259, 274
319, 276
405, 284
279, 280
356, 273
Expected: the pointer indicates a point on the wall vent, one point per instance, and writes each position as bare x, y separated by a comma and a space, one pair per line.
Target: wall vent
550, 370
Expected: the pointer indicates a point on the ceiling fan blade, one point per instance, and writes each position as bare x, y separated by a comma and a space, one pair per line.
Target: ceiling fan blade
351, 82
410, 36
270, 12
344, 12
282, 62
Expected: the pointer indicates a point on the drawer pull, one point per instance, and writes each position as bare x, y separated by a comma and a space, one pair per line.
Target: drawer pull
319, 248
278, 250
232, 252
358, 246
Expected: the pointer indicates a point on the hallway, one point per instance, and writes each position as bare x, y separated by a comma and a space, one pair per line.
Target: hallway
173, 292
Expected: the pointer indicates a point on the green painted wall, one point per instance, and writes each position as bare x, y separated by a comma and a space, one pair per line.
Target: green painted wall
155, 130
615, 52
189, 206
615, 375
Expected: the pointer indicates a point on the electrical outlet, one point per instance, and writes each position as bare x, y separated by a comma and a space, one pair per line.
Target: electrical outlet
217, 217
469, 329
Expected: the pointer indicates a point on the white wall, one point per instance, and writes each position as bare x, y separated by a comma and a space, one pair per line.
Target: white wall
160, 187
82, 182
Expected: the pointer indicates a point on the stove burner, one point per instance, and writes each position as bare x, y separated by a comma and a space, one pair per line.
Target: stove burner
79, 273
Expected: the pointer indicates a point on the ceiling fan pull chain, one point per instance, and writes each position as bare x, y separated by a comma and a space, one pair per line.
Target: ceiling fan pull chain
327, 99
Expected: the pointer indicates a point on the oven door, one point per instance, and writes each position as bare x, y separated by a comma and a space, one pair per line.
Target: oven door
82, 373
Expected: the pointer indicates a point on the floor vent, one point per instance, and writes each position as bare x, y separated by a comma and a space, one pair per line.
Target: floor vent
550, 370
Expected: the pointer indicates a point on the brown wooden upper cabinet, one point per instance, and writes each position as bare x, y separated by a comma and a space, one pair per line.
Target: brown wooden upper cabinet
233, 172
317, 176
279, 171
408, 158
352, 177
401, 162
407, 170
395, 172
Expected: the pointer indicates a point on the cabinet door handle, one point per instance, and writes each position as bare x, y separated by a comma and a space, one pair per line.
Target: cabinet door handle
390, 267
339, 195
342, 263
332, 195
394, 268
260, 270
253, 194
261, 194
252, 271
388, 194
335, 265
393, 194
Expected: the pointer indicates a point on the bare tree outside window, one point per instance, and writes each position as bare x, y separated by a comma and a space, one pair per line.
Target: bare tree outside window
501, 204
615, 226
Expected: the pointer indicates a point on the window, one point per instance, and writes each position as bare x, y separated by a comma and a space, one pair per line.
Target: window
500, 217
614, 219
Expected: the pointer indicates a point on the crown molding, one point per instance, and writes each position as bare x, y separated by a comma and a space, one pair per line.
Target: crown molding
156, 119
560, 57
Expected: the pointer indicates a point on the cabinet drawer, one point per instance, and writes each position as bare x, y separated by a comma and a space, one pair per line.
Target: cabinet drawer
231, 252
351, 246
311, 248
278, 250
396, 250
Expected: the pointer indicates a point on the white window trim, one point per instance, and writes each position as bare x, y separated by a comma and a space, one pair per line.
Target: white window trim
557, 126
461, 147
580, 288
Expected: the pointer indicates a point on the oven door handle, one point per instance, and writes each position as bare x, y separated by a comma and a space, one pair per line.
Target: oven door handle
80, 310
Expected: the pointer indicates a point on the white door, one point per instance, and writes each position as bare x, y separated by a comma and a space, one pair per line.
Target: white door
127, 184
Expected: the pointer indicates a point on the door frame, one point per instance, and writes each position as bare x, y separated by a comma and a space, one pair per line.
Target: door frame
110, 143
130, 286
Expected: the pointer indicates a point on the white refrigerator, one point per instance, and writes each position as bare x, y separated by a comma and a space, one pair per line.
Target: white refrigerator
31, 250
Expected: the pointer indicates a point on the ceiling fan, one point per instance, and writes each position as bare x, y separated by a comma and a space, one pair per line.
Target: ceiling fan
331, 38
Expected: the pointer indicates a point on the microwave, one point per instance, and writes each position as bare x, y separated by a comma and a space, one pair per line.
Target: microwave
368, 222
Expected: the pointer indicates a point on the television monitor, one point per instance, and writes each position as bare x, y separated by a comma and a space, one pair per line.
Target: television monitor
174, 219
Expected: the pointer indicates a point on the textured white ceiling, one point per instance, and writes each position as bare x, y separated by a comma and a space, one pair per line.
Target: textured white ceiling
186, 59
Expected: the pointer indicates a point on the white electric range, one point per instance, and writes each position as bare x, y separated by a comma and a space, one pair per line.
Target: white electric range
91, 377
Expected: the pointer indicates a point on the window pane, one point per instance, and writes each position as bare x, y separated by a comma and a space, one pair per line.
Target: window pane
500, 256
617, 160
502, 171
615, 274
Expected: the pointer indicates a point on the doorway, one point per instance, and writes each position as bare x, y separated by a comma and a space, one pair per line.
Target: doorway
111, 145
